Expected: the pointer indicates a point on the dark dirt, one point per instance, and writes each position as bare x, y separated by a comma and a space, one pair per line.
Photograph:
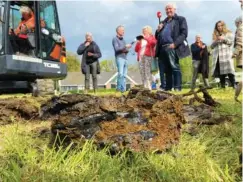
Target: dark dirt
140, 121
17, 109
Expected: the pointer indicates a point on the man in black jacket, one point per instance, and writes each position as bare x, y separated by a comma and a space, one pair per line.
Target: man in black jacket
200, 62
172, 46
90, 52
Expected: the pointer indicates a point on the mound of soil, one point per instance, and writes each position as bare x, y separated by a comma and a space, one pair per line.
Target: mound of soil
140, 121
12, 109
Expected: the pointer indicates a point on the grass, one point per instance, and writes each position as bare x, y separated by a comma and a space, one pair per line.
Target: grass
210, 156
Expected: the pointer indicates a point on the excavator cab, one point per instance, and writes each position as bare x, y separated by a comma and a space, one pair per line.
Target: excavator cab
31, 49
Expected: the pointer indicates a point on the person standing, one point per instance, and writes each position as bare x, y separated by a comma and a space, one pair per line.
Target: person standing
90, 61
200, 62
121, 49
161, 66
145, 54
172, 46
238, 53
222, 54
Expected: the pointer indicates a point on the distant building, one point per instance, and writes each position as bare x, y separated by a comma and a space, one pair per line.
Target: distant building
106, 80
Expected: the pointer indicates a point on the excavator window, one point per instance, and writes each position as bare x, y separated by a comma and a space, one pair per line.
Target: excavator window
15, 17
48, 12
21, 30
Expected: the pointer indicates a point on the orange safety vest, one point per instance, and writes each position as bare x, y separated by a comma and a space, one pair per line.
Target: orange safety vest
30, 23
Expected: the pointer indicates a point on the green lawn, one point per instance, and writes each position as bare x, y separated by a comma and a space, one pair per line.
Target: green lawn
211, 155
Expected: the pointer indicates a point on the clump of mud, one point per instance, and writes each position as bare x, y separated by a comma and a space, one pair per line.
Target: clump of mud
141, 121
17, 109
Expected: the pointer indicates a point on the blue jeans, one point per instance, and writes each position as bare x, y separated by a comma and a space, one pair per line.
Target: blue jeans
170, 61
122, 73
162, 74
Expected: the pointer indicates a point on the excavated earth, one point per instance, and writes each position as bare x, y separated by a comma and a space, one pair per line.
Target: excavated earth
140, 121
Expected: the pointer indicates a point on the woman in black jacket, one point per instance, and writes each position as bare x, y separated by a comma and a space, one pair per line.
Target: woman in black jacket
90, 60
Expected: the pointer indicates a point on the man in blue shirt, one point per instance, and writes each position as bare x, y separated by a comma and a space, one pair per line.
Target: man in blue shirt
121, 49
172, 46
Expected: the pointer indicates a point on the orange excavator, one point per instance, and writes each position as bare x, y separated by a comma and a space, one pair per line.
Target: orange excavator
32, 51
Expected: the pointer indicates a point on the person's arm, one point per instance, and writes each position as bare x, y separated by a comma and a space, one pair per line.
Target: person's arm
228, 39
118, 48
214, 44
137, 47
151, 41
159, 28
17, 30
81, 49
195, 49
97, 53
183, 32
31, 24
156, 34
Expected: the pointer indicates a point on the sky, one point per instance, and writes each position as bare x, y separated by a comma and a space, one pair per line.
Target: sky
102, 17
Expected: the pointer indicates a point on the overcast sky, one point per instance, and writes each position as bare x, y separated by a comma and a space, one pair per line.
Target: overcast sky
102, 17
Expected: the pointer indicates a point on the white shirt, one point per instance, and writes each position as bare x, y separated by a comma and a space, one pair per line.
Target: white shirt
143, 46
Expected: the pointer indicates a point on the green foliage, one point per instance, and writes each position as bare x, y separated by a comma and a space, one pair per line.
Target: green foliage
110, 66
73, 62
186, 69
107, 66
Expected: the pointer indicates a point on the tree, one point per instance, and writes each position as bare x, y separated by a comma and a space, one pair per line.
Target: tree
110, 66
107, 65
73, 63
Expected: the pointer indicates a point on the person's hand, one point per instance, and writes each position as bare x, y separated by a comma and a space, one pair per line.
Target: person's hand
160, 26
128, 46
220, 38
203, 46
10, 31
90, 54
23, 29
172, 46
87, 44
125, 51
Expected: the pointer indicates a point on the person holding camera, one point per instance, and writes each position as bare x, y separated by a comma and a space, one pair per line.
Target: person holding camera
121, 49
90, 60
145, 54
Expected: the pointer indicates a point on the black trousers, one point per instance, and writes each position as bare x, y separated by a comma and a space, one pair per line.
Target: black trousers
91, 69
170, 63
222, 76
231, 79
18, 44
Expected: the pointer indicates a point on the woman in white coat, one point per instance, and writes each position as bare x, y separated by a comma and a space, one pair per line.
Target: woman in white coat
222, 45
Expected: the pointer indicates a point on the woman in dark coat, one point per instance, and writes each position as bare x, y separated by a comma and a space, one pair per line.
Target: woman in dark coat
90, 63
200, 62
